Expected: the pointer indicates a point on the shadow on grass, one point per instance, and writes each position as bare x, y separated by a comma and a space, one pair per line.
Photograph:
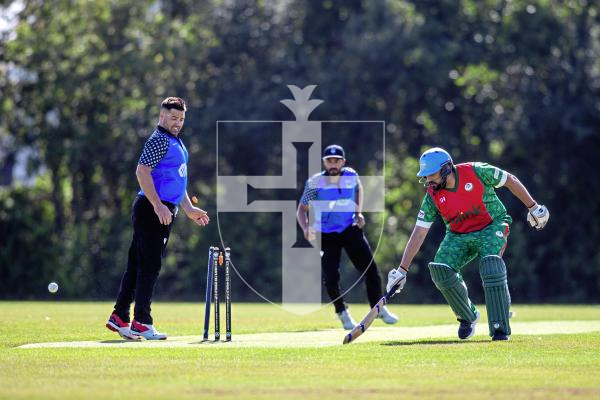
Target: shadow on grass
211, 342
120, 341
432, 342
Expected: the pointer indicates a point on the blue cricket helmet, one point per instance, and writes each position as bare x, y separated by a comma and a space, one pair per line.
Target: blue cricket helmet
433, 160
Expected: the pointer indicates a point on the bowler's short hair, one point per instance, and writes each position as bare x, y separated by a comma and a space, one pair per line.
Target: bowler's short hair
171, 103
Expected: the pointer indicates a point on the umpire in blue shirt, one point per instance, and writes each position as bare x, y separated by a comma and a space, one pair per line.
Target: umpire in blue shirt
162, 175
334, 196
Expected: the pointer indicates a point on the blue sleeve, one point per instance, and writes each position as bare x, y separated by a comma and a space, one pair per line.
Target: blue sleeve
155, 149
310, 193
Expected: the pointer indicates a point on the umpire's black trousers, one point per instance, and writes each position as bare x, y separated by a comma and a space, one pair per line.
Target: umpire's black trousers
144, 261
353, 240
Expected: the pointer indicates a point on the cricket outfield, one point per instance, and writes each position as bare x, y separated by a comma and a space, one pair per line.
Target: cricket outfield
62, 350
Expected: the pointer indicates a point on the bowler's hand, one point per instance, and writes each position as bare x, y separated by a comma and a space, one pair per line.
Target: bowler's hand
198, 215
163, 213
360, 220
310, 234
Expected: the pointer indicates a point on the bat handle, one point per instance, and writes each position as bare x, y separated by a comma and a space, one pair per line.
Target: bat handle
392, 292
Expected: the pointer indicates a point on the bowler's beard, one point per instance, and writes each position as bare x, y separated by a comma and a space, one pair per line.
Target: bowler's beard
333, 171
175, 132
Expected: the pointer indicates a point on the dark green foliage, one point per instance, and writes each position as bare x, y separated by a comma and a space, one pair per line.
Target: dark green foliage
511, 83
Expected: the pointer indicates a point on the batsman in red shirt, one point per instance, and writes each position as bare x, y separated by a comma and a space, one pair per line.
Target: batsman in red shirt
477, 226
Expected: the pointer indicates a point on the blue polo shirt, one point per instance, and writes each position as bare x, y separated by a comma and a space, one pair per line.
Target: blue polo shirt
167, 156
333, 203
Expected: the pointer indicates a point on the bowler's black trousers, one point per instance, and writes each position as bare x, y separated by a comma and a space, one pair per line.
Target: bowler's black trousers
144, 261
353, 240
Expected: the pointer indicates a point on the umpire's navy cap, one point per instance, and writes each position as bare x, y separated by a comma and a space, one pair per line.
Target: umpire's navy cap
334, 151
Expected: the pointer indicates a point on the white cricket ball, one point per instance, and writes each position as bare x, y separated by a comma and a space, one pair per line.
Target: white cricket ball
53, 287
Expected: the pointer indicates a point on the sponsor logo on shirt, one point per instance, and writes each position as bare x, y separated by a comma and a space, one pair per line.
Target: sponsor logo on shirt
462, 216
499, 234
468, 186
183, 170
421, 214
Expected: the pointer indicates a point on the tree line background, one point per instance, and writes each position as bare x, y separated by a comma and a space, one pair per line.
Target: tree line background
514, 83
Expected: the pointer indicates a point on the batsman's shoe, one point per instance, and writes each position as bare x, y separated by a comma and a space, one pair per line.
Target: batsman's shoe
347, 321
387, 316
500, 336
116, 324
466, 329
146, 331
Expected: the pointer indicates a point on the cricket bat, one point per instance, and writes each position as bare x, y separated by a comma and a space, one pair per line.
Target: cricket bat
370, 317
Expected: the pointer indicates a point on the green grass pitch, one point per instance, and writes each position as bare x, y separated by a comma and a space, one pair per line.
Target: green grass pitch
553, 354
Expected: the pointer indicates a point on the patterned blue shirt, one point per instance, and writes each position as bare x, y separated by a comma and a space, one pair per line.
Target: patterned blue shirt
168, 158
334, 204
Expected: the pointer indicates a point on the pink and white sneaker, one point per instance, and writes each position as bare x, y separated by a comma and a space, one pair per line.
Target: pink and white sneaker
146, 331
116, 324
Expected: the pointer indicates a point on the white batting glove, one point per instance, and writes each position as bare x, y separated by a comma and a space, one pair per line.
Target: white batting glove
538, 216
396, 277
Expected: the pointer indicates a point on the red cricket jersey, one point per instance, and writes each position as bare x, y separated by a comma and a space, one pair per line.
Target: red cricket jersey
462, 207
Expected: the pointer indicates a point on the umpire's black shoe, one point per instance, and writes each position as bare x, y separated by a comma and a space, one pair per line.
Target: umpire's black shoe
466, 329
500, 336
